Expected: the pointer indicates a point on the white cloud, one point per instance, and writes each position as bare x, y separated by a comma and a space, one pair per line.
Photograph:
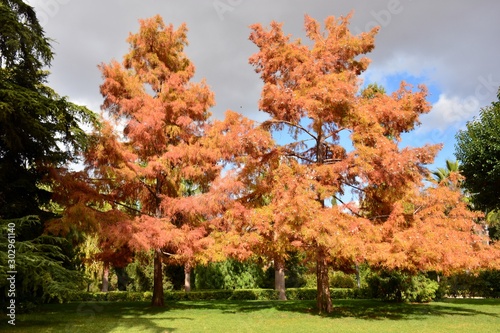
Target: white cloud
417, 38
400, 64
449, 112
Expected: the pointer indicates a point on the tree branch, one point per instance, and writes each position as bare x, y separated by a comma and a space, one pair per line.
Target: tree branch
294, 154
335, 132
150, 190
355, 187
275, 121
356, 214
128, 207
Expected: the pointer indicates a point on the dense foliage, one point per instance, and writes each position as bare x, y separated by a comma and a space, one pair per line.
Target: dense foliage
312, 91
43, 265
397, 286
39, 133
229, 274
39, 129
478, 151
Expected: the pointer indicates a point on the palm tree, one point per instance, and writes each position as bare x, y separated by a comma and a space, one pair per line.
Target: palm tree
442, 174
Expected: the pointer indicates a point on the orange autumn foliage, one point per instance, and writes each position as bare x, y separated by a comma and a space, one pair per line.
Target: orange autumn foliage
150, 162
435, 231
159, 175
313, 91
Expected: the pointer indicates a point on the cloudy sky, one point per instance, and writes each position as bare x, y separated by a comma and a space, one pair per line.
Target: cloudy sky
450, 46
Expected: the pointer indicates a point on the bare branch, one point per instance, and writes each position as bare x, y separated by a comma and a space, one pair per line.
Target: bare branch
128, 207
275, 121
294, 154
356, 214
335, 132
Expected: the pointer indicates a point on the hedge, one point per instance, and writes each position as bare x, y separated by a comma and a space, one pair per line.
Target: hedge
199, 295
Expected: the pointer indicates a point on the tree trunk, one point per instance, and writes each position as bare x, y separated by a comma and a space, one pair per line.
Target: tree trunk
158, 299
187, 277
105, 277
358, 277
323, 299
122, 278
279, 277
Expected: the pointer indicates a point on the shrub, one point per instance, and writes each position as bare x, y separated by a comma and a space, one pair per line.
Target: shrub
198, 295
310, 280
254, 294
115, 296
301, 293
491, 283
399, 287
340, 279
485, 283
229, 274
203, 295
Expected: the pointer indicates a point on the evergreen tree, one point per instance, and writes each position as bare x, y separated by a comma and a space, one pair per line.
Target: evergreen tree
39, 133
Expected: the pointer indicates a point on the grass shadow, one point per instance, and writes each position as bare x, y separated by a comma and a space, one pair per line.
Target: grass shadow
93, 316
142, 317
379, 310
361, 309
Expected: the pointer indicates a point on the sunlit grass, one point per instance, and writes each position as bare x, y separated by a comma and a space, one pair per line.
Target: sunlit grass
262, 316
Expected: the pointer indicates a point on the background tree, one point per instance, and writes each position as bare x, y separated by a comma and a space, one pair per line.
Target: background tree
44, 265
478, 151
443, 174
39, 132
277, 220
245, 151
253, 183
493, 222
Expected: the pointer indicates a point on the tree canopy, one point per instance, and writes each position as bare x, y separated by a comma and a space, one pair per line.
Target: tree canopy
478, 151
312, 91
38, 128
149, 159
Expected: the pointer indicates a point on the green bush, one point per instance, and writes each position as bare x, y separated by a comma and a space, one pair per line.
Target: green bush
491, 283
340, 279
147, 296
229, 274
341, 293
203, 295
198, 295
254, 294
301, 293
112, 296
84, 296
421, 289
486, 283
310, 280
118, 296
401, 287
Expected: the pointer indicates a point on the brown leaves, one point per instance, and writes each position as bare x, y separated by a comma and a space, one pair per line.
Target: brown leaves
442, 234
318, 82
313, 91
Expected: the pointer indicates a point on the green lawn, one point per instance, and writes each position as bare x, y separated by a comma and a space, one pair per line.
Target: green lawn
355, 316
